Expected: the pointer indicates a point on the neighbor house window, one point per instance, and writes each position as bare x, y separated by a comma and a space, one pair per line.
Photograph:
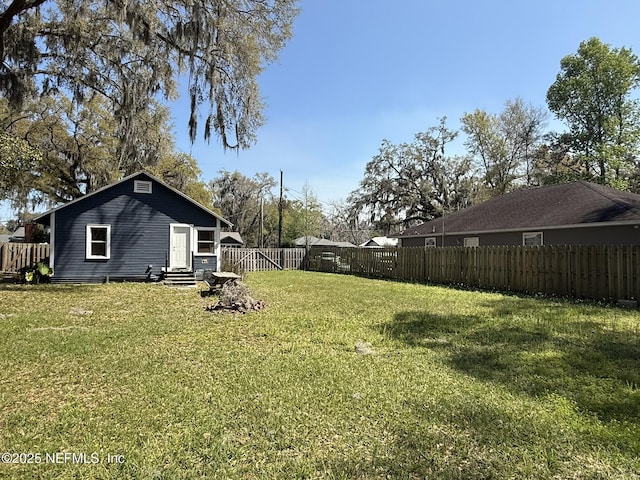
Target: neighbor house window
98, 242
142, 186
206, 242
430, 242
471, 241
532, 239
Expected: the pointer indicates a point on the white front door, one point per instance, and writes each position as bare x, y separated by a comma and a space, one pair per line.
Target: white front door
180, 246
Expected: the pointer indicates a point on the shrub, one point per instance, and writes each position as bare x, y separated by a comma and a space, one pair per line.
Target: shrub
40, 273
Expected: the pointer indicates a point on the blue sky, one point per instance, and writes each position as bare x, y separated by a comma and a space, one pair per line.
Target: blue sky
360, 71
357, 72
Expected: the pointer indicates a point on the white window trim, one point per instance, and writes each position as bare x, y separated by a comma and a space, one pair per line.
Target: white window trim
52, 241
471, 241
532, 234
88, 254
142, 186
430, 242
216, 241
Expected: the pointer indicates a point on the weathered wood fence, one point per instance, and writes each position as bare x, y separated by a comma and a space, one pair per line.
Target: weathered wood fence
14, 256
595, 272
260, 259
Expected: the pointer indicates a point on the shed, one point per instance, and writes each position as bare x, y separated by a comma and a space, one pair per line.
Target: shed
135, 229
231, 239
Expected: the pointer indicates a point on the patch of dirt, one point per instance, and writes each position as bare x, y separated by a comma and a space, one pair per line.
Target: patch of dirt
363, 348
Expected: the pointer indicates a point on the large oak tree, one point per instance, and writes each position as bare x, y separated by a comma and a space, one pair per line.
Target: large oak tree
77, 148
413, 182
132, 52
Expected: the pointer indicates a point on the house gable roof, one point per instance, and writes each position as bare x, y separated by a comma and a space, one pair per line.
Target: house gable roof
311, 241
18, 235
134, 176
380, 242
572, 204
231, 237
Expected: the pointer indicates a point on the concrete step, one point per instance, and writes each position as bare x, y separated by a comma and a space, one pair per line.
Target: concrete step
179, 279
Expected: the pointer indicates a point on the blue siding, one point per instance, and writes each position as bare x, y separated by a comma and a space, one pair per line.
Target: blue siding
205, 263
139, 231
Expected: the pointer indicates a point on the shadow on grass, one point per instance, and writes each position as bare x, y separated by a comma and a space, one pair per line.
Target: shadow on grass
538, 350
46, 287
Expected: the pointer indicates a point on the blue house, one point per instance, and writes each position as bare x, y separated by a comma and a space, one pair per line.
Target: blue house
135, 229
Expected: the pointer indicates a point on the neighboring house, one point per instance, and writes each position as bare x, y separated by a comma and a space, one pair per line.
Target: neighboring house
578, 213
17, 236
231, 239
4, 238
379, 242
305, 241
310, 241
131, 230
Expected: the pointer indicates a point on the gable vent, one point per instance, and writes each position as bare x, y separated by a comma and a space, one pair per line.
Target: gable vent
142, 186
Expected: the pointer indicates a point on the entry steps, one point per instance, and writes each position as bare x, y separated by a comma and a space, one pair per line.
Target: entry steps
179, 279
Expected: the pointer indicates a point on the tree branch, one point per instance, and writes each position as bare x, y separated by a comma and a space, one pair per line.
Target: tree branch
13, 10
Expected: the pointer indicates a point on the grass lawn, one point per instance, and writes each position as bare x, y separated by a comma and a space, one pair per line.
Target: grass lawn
146, 384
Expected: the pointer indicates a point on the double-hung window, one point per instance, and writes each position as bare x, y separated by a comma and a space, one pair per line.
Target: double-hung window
98, 246
471, 241
532, 239
206, 242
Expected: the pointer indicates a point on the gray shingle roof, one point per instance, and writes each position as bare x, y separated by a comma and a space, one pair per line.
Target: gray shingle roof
550, 206
231, 237
320, 242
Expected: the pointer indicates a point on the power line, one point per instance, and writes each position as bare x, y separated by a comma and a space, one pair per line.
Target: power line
289, 189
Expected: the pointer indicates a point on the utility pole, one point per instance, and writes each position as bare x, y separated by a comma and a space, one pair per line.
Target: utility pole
261, 222
280, 214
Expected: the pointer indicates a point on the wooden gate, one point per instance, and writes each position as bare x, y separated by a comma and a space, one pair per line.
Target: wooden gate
260, 259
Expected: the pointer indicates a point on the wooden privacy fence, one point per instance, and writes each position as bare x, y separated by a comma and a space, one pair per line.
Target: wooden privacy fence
259, 259
14, 256
595, 272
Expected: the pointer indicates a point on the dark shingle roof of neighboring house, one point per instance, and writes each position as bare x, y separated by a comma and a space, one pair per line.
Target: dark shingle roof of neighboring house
564, 205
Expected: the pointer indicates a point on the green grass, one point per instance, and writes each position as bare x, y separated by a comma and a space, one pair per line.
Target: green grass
460, 385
